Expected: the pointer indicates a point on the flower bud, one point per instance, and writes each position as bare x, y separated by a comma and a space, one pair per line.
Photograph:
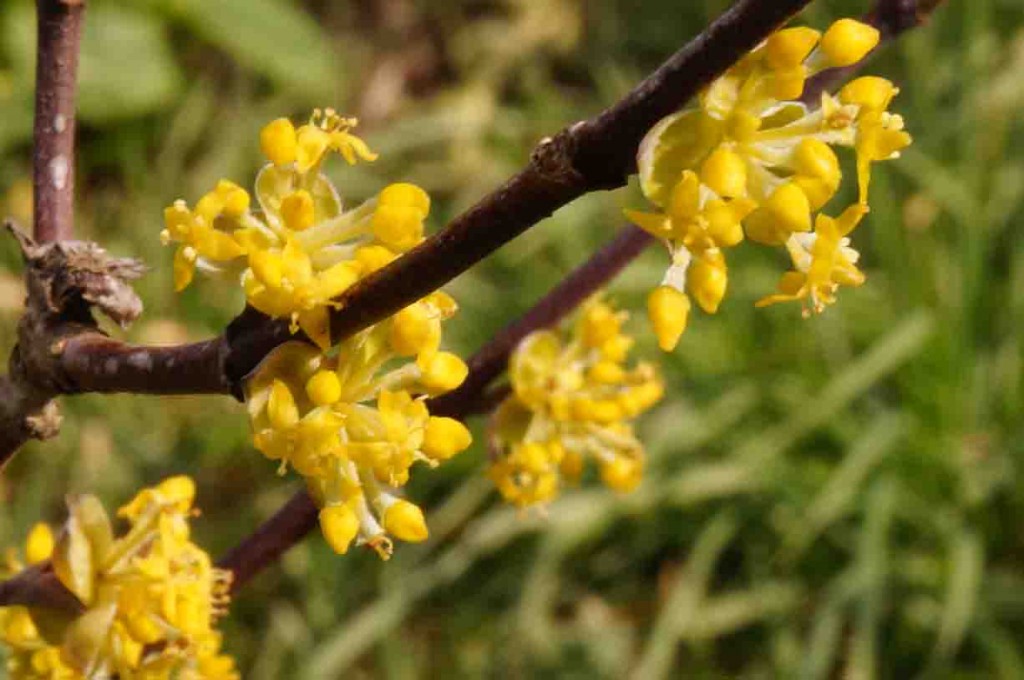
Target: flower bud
339, 525
278, 142
847, 41
668, 310
405, 522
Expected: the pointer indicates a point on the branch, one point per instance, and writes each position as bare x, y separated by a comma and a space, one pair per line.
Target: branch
273, 538
93, 362
591, 155
26, 409
38, 586
53, 162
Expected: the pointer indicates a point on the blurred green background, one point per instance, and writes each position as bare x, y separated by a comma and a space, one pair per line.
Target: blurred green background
840, 496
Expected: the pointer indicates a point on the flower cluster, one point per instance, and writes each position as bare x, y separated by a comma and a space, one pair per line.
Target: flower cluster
300, 248
751, 161
150, 597
29, 655
352, 423
572, 399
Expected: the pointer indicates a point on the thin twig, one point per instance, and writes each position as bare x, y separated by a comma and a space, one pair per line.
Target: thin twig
53, 163
273, 538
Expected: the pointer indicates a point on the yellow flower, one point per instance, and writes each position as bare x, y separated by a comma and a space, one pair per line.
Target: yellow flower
29, 655
571, 399
822, 261
298, 248
151, 596
355, 422
751, 160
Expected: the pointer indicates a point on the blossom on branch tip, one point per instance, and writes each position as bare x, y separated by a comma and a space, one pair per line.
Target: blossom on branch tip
151, 597
572, 399
751, 162
355, 421
822, 262
298, 248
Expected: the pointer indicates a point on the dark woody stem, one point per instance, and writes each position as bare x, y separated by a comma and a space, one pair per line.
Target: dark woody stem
53, 178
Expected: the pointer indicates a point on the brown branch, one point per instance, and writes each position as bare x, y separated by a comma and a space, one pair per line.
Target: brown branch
26, 409
66, 280
38, 586
490, 360
96, 363
273, 538
53, 163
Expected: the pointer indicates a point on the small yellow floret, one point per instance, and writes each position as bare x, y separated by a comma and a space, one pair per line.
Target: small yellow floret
414, 330
404, 195
278, 141
445, 437
847, 41
725, 173
668, 310
871, 92
790, 207
622, 474
39, 545
340, 526
324, 388
789, 47
177, 492
405, 521
297, 210
372, 258
281, 408
707, 280
442, 371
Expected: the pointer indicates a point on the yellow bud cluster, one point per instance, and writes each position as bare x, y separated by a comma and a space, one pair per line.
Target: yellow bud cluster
354, 430
572, 399
297, 249
752, 161
151, 597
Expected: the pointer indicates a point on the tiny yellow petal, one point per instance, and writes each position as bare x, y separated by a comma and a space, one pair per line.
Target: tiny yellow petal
445, 437
707, 280
668, 310
790, 46
340, 526
324, 388
725, 172
847, 41
281, 407
622, 474
405, 521
39, 545
414, 331
297, 210
278, 141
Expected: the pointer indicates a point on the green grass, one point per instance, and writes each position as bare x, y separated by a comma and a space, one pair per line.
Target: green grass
840, 496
